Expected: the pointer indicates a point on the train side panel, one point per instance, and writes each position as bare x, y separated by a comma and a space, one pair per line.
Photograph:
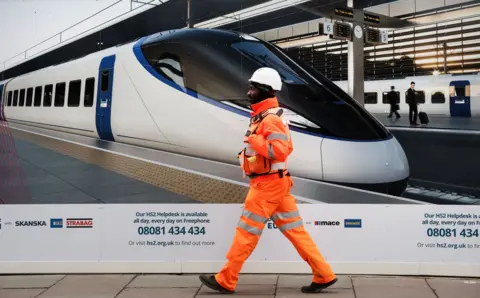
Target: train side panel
131, 120
72, 119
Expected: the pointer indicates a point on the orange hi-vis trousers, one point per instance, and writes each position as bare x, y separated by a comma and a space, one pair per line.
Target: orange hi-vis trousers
271, 199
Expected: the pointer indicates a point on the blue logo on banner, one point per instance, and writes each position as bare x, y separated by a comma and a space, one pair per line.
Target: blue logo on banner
56, 223
271, 225
353, 223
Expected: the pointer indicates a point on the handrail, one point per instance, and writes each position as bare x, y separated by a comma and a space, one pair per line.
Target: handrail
74, 25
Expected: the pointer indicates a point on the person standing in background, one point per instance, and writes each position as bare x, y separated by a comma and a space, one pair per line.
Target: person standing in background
412, 104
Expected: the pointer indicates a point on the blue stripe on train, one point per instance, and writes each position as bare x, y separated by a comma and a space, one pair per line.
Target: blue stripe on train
103, 112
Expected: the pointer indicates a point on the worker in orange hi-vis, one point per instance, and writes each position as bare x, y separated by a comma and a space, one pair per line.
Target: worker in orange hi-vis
264, 160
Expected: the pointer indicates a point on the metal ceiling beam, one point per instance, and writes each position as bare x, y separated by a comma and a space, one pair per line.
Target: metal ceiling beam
362, 4
355, 15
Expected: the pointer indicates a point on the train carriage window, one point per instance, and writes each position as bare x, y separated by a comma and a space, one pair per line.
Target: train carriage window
420, 96
74, 89
60, 95
438, 97
371, 97
37, 101
385, 97
89, 92
105, 79
29, 97
9, 102
47, 95
21, 100
15, 98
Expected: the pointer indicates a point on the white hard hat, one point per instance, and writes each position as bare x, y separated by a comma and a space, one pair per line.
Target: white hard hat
267, 76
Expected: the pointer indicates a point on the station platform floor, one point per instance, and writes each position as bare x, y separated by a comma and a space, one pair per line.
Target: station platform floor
436, 121
251, 286
39, 170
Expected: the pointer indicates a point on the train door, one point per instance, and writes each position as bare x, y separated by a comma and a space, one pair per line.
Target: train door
1, 103
460, 99
104, 98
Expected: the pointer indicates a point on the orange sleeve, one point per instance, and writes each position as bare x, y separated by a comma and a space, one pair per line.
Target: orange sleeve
271, 139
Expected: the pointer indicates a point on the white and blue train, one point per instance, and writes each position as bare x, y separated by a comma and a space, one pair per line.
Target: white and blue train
442, 95
184, 91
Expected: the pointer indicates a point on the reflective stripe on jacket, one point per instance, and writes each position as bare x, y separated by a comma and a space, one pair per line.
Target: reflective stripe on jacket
268, 142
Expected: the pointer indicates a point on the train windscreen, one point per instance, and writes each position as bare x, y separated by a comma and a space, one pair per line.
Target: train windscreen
220, 70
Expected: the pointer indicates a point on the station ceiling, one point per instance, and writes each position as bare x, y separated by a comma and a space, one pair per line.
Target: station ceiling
169, 15
308, 11
173, 15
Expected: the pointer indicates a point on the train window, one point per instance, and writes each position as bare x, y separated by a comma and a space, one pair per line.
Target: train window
74, 89
105, 79
21, 100
9, 102
47, 95
89, 92
37, 101
59, 95
29, 97
15, 98
166, 61
169, 66
385, 99
438, 97
371, 97
461, 90
309, 99
420, 96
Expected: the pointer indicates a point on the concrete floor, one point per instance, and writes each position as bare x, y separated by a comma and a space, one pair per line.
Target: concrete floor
251, 286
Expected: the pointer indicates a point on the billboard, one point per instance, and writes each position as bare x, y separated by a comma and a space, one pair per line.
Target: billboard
194, 238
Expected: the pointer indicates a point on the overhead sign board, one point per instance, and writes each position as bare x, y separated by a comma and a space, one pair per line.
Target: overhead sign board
342, 31
328, 28
344, 12
371, 18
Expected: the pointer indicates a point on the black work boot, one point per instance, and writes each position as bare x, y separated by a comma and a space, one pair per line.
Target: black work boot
316, 287
212, 283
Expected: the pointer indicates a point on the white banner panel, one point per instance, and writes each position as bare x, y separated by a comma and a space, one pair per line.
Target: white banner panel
175, 238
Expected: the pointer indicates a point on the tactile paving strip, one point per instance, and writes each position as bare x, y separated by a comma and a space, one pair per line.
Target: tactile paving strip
200, 188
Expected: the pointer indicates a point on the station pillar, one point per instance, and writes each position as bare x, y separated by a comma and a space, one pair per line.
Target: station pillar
356, 78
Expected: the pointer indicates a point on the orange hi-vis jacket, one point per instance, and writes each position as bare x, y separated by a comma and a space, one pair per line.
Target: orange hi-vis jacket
268, 142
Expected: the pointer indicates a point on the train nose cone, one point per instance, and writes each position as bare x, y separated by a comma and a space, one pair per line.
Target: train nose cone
372, 165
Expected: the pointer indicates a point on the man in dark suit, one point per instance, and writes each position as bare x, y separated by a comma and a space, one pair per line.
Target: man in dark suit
392, 100
412, 104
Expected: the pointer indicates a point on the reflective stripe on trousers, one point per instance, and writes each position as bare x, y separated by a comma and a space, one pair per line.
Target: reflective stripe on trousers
261, 220
281, 219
